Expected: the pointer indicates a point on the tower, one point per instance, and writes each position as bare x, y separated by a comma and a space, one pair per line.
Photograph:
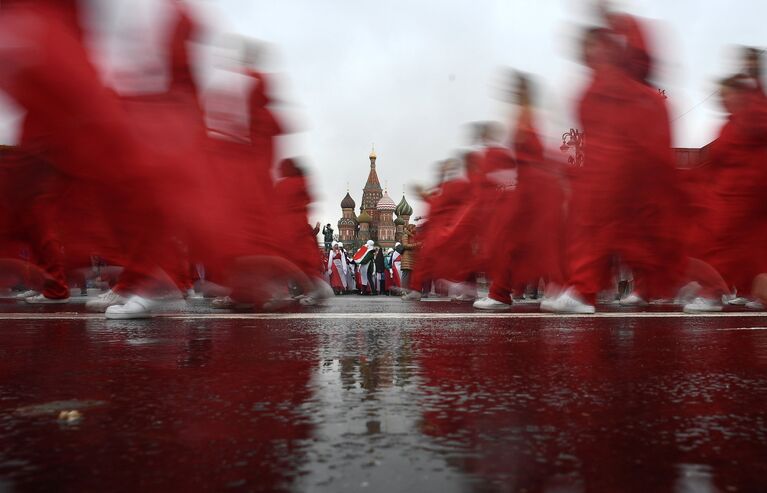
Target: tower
403, 213
347, 225
386, 227
404, 210
371, 194
364, 234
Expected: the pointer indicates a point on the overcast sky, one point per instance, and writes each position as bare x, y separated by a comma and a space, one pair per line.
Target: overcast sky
408, 74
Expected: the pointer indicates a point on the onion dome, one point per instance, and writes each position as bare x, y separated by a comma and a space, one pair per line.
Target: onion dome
399, 221
348, 202
386, 204
403, 208
364, 217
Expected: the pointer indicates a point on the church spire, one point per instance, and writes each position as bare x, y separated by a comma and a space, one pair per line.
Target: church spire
373, 183
372, 192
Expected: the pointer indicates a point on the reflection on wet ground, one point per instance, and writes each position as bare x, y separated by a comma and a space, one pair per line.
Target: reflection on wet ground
368, 404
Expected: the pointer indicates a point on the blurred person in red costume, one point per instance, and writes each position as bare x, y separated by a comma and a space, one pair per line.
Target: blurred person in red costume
529, 249
621, 204
436, 255
739, 159
83, 132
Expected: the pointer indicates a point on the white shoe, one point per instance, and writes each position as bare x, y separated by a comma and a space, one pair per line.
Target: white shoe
755, 305
105, 300
136, 307
40, 299
547, 304
26, 294
322, 291
464, 298
412, 296
700, 304
633, 299
222, 303
491, 304
568, 302
734, 300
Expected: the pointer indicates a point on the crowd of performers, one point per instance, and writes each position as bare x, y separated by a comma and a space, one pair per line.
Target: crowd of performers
626, 213
125, 157
147, 170
370, 271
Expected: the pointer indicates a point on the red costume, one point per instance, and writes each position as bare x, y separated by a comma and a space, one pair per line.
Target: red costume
531, 249
294, 198
444, 252
337, 270
739, 156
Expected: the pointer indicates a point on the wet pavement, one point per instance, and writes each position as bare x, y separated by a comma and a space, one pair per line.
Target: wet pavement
377, 395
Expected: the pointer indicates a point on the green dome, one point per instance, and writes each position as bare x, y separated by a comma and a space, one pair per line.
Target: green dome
364, 218
399, 221
403, 208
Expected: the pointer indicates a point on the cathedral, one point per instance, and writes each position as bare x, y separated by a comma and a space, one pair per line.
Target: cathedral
380, 219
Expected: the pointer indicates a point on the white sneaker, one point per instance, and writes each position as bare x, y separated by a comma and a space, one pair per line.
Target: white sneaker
40, 299
136, 307
222, 303
755, 305
26, 294
633, 299
700, 304
104, 301
322, 291
547, 303
464, 298
488, 303
568, 302
734, 300
412, 296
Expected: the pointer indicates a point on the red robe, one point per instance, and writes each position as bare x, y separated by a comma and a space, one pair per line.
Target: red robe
445, 250
337, 277
532, 248
739, 157
294, 200
621, 199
